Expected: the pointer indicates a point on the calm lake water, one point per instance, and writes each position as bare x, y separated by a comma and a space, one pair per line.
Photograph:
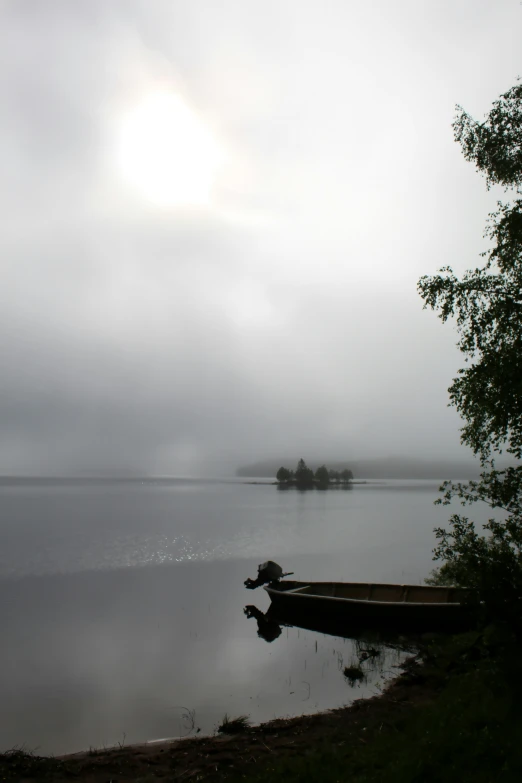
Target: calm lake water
121, 603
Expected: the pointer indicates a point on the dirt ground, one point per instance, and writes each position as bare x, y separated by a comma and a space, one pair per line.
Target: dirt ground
221, 757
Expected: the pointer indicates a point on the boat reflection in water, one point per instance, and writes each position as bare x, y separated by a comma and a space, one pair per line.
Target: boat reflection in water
271, 623
372, 656
268, 626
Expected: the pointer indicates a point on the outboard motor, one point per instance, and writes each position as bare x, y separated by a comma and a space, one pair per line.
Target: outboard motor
266, 573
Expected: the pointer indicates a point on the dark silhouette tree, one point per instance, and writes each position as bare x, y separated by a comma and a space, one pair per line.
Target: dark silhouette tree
322, 476
487, 305
283, 475
304, 475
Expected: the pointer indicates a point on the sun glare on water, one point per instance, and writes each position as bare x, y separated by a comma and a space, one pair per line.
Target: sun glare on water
167, 154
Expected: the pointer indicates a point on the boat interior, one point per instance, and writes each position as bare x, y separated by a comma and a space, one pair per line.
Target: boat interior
362, 591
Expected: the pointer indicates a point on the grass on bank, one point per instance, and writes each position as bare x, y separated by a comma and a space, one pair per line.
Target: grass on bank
472, 731
234, 725
354, 674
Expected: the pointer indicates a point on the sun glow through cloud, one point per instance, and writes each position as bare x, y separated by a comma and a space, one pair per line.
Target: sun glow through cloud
167, 154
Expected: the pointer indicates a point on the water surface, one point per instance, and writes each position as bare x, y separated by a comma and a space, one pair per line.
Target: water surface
121, 604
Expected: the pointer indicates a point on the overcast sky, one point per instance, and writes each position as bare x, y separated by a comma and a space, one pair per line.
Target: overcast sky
214, 219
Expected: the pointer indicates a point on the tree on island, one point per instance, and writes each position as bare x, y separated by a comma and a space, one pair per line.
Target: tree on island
283, 475
487, 305
322, 476
304, 477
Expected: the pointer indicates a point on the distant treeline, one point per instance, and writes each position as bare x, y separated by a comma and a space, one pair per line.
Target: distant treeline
384, 468
304, 477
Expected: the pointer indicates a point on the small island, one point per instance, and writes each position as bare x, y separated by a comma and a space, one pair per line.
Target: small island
304, 477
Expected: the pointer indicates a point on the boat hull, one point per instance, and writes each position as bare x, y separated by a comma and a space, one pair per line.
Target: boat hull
349, 613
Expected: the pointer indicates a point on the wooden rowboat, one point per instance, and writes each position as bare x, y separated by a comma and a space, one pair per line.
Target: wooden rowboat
372, 604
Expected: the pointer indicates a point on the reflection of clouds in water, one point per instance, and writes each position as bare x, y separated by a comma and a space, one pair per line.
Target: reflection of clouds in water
120, 651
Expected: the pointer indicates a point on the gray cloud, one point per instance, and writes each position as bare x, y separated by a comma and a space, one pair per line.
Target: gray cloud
282, 318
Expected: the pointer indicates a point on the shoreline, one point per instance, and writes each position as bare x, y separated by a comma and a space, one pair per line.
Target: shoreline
452, 713
215, 757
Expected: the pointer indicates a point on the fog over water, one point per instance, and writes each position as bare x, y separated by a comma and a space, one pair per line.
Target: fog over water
214, 217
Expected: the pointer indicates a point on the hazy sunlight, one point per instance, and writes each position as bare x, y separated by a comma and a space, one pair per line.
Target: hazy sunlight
166, 153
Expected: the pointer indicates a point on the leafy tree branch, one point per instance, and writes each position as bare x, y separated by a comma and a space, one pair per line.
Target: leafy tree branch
486, 305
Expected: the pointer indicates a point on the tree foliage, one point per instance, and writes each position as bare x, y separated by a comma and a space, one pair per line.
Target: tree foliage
322, 476
283, 474
494, 145
487, 306
304, 475
305, 478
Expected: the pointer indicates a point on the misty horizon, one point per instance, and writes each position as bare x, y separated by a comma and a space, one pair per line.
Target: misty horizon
391, 467
211, 241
